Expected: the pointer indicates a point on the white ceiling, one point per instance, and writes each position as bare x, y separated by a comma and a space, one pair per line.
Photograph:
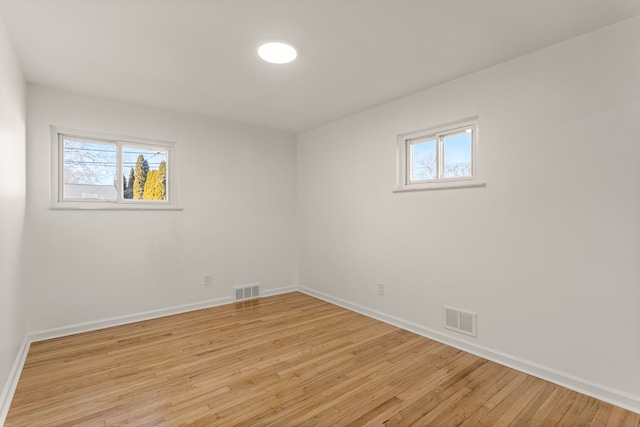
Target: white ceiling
199, 56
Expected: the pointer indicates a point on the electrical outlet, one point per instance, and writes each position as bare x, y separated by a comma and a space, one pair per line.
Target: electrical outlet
380, 288
207, 280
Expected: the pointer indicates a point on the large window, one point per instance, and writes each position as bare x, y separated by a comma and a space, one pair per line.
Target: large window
93, 170
442, 157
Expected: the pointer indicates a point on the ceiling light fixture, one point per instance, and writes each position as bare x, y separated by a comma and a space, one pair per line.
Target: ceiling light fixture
277, 53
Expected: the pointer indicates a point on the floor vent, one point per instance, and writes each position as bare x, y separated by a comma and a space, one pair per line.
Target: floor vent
460, 321
247, 292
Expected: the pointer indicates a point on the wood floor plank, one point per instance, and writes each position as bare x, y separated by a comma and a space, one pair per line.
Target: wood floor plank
287, 360
601, 417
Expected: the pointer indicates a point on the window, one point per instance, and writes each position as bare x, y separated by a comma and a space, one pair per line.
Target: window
442, 157
97, 171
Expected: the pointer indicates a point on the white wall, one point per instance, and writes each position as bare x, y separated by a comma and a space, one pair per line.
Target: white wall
12, 210
237, 188
547, 254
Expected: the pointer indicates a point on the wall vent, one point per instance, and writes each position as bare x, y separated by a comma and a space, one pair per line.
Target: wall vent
246, 292
461, 321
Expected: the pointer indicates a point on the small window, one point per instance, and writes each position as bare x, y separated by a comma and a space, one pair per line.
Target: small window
443, 157
91, 170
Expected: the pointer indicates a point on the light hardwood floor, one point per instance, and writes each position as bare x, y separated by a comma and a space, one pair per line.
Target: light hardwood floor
288, 360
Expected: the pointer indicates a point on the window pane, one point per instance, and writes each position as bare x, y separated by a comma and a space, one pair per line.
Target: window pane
89, 170
457, 155
423, 161
145, 173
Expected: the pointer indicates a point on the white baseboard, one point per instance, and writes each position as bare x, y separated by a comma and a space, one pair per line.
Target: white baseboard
598, 391
12, 382
138, 317
278, 291
123, 320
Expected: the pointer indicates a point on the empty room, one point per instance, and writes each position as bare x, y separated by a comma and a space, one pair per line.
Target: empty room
319, 212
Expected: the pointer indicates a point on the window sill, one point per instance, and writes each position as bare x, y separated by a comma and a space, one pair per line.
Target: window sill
441, 186
115, 208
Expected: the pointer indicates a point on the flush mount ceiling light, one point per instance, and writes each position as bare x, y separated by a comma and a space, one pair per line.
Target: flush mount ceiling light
277, 53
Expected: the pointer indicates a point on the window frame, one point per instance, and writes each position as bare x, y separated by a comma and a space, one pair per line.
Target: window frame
437, 134
57, 200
